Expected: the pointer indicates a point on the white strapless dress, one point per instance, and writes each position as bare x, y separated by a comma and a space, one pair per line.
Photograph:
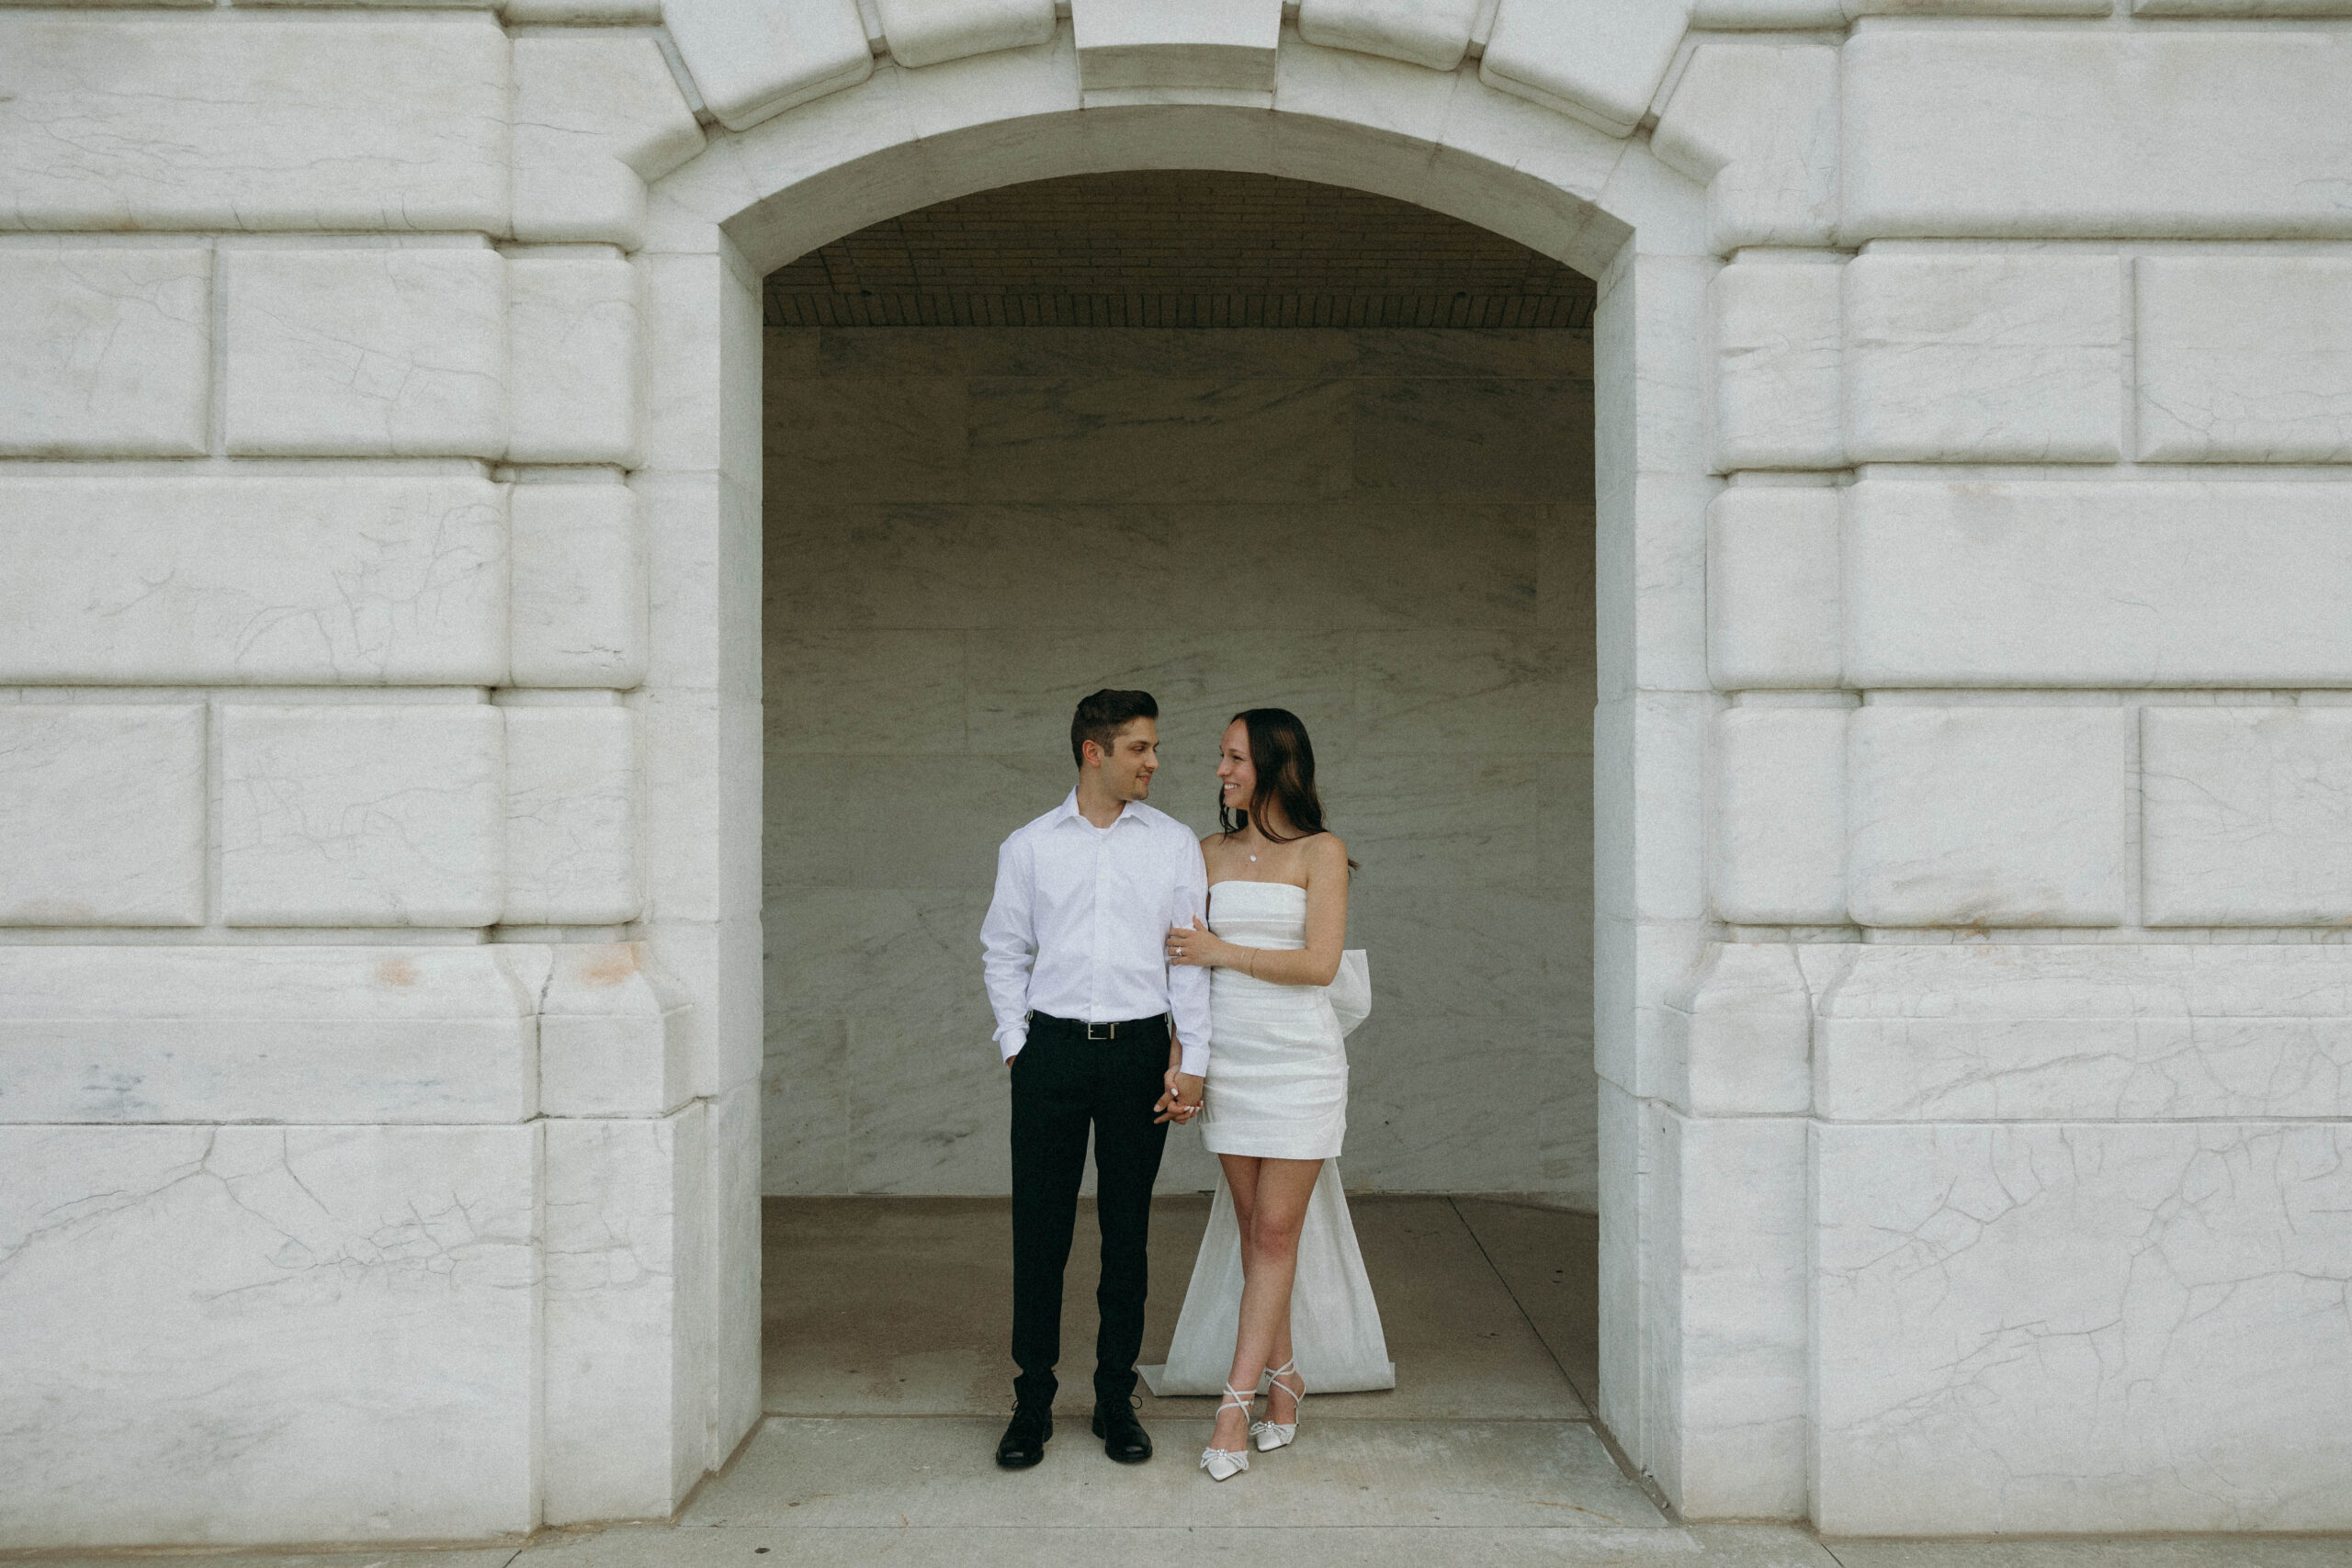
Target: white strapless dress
1278, 1064
1277, 1089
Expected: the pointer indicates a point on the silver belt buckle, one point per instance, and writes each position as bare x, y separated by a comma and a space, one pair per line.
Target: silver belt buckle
1110, 1031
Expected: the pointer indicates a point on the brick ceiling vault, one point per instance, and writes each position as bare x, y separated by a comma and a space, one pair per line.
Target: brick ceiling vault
1179, 248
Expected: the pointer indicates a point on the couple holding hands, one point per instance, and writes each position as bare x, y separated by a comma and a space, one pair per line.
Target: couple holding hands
1139, 978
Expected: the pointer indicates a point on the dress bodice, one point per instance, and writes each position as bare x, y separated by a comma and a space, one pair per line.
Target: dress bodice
1259, 914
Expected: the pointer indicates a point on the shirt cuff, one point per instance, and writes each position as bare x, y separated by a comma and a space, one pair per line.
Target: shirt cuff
1194, 1061
1011, 1040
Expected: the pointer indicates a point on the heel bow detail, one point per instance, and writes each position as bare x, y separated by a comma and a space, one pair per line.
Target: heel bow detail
1223, 1464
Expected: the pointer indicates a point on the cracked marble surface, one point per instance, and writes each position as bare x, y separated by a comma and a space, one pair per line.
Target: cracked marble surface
331, 1326
2070, 1326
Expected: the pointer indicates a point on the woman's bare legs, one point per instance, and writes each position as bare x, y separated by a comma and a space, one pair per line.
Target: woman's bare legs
1270, 1206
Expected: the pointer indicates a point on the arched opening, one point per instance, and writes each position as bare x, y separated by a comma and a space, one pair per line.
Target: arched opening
1238, 440
761, 198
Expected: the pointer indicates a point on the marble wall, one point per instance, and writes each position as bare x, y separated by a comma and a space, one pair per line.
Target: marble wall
1388, 532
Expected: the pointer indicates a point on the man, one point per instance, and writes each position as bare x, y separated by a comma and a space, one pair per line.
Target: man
1094, 1028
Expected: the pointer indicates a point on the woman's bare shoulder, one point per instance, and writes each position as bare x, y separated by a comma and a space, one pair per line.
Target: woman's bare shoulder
1326, 851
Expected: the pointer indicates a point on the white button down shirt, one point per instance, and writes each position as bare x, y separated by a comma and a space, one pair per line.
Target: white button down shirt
1078, 925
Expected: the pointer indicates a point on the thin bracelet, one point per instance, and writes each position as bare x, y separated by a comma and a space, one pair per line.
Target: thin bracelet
1250, 965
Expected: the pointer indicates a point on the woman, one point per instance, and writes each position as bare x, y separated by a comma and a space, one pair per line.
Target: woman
1276, 1102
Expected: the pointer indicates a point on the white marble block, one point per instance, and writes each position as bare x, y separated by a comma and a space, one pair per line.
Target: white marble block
259, 1335
106, 352
572, 816
731, 1281
597, 115
2208, 132
2246, 816
1147, 45
579, 586
751, 60
1433, 33
1988, 816
627, 1213
1982, 357
1741, 1033
1773, 587
1776, 366
102, 815
1759, 122
1778, 840
1993, 582
344, 123
1596, 61
356, 815
1732, 1429
2078, 1326
393, 353
927, 32
2171, 1031
615, 1034
308, 581
2244, 359
576, 374
304, 1033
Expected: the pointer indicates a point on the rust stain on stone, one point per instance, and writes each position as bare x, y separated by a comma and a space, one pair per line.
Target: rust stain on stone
610, 967
396, 971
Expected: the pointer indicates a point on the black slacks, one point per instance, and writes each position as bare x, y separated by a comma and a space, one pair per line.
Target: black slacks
1063, 1084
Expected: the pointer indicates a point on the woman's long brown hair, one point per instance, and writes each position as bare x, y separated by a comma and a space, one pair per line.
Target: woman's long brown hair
1284, 761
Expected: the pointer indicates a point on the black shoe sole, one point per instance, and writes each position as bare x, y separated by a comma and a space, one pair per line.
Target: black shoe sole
1119, 1458
1027, 1463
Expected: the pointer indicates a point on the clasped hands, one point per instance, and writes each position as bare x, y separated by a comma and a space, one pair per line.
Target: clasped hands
1182, 1100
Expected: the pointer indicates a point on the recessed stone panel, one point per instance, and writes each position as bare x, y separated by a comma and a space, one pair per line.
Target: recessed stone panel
2050, 1325
1982, 357
232, 580
572, 816
2246, 816
2178, 1032
579, 586
1777, 374
269, 1334
1780, 829
342, 123
102, 815
1999, 583
106, 353
360, 815
1988, 816
393, 353
307, 1033
577, 375
2244, 359
2199, 133
1772, 588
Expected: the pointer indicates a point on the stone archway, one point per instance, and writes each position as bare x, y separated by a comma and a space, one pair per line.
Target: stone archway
905, 138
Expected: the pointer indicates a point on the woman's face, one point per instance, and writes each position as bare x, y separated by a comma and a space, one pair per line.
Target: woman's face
1236, 780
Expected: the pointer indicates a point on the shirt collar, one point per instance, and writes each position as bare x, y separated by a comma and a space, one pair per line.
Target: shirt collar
1132, 811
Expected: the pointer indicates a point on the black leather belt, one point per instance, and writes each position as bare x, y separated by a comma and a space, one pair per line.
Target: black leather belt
1151, 1030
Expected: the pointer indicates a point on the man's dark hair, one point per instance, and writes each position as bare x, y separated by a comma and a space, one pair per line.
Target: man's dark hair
1100, 718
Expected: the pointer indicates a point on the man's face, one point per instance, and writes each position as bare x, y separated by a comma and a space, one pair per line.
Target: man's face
1133, 757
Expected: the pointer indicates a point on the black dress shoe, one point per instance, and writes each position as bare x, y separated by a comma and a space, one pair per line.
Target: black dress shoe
1025, 1436
1122, 1436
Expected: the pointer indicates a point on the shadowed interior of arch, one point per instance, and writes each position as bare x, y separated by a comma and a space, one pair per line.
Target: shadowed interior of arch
1237, 440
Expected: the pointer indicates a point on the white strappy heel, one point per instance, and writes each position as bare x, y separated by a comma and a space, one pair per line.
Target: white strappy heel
1272, 1434
1223, 1464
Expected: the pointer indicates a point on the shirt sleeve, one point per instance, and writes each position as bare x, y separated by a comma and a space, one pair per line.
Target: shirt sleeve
1008, 946
1188, 985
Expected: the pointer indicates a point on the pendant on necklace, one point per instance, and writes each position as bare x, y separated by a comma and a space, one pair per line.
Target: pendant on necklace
1254, 860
